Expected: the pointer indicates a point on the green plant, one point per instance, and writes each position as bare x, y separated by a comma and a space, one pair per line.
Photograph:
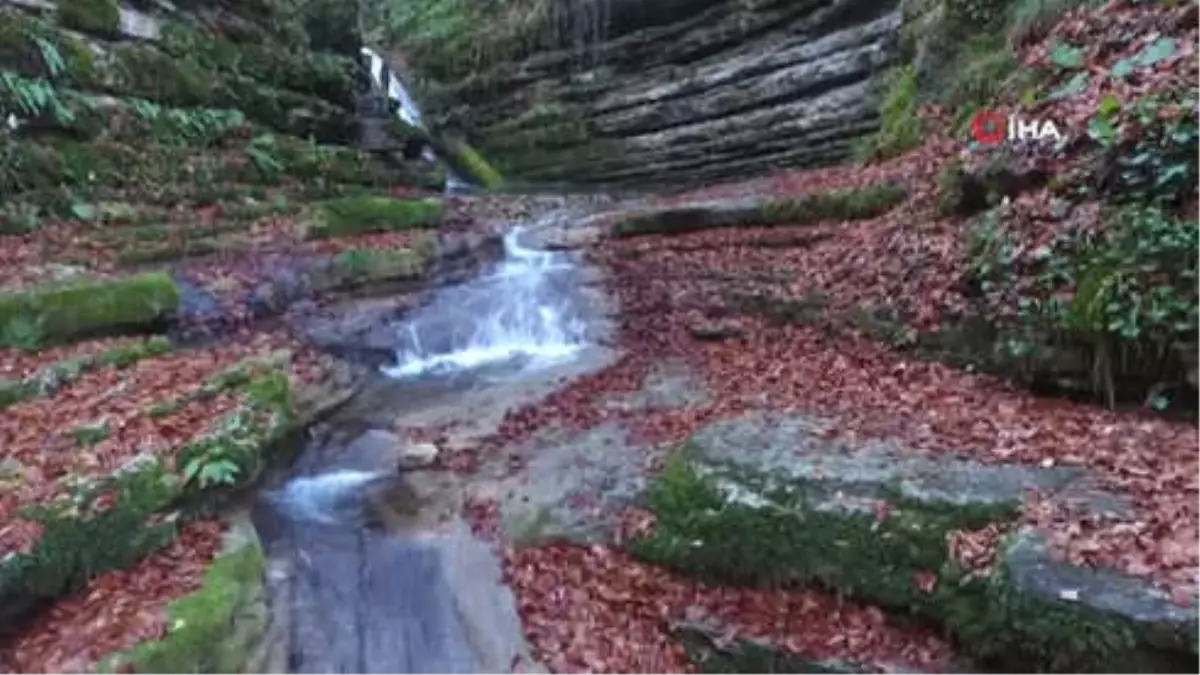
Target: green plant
900, 127
1147, 149
99, 17
80, 541
1127, 292
198, 627
60, 314
361, 215
261, 151
474, 166
91, 434
145, 71
1030, 20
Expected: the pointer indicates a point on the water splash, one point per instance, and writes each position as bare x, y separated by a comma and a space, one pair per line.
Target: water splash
522, 311
324, 498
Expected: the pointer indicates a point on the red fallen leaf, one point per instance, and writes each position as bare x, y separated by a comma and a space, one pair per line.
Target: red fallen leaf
925, 580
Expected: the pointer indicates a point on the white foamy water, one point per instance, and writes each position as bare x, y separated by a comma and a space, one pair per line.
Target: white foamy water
320, 498
522, 310
407, 110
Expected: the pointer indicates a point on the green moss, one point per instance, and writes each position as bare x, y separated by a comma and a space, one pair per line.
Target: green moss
35, 48
900, 129
190, 247
800, 535
199, 625
858, 204
1031, 20
91, 434
360, 266
474, 167
153, 494
78, 544
362, 215
61, 314
98, 17
145, 71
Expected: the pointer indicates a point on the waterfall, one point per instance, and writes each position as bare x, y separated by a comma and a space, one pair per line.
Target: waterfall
521, 311
384, 80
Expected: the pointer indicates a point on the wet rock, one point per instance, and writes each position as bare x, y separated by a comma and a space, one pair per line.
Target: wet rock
418, 455
715, 331
787, 84
382, 450
668, 386
781, 496
571, 485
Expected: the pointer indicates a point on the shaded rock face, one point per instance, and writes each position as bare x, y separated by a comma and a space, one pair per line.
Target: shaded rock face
685, 92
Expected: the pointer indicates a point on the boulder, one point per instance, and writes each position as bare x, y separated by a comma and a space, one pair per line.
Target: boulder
773, 498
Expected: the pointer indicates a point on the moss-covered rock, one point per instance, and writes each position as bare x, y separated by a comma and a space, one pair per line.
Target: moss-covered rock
473, 166
214, 629
146, 71
50, 379
152, 494
769, 500
54, 315
34, 48
361, 215
838, 205
354, 267
97, 17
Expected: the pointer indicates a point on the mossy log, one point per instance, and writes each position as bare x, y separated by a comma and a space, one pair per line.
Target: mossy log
54, 315
371, 213
844, 205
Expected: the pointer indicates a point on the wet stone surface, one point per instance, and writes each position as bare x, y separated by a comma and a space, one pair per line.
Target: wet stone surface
839, 475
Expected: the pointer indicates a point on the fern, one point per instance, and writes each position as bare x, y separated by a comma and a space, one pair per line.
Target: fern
50, 56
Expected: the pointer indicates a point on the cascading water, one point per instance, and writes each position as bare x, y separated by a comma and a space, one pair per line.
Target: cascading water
389, 85
521, 311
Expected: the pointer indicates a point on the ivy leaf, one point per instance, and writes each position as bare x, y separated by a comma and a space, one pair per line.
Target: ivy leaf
1123, 68
1161, 49
1072, 88
1109, 105
1066, 57
83, 211
1101, 130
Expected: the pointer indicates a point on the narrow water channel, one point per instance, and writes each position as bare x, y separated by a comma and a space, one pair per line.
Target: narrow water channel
348, 596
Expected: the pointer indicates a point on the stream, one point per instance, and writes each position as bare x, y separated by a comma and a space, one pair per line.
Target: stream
418, 593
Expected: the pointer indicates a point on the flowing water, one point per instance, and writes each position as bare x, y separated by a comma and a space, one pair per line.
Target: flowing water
520, 313
350, 597
387, 84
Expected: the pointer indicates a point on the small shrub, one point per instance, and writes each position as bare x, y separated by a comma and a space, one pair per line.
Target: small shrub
147, 72
98, 17
107, 307
960, 193
900, 129
362, 215
1031, 20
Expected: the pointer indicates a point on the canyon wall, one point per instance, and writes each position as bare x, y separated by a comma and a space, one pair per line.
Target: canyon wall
679, 93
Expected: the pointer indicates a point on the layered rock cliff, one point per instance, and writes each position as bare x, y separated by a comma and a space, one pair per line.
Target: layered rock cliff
675, 92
